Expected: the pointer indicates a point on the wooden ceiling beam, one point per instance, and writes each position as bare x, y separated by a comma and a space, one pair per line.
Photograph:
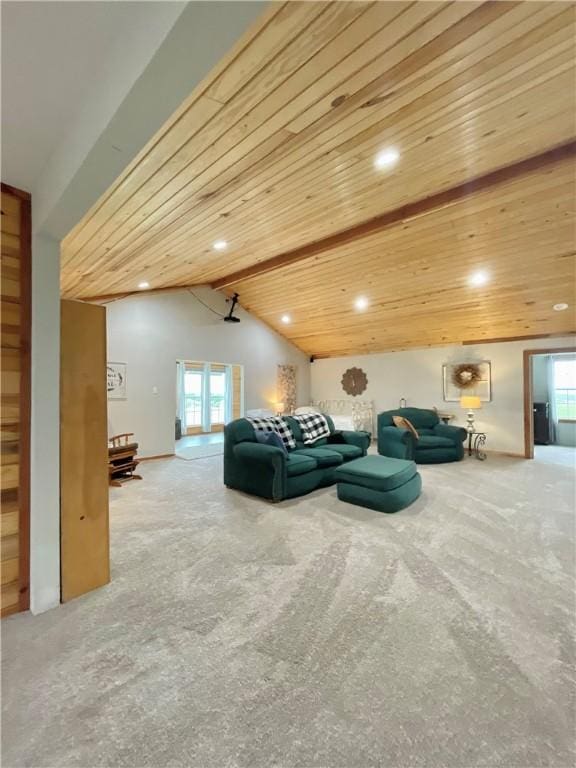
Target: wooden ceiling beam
108, 297
402, 214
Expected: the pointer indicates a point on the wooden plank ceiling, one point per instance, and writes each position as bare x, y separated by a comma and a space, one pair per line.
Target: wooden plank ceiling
275, 150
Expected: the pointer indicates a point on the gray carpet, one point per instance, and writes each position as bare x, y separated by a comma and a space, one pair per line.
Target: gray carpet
194, 452
239, 634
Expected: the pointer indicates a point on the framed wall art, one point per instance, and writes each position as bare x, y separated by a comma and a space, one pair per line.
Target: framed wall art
116, 381
460, 379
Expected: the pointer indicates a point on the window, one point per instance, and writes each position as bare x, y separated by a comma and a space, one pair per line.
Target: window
565, 389
217, 397
193, 398
209, 394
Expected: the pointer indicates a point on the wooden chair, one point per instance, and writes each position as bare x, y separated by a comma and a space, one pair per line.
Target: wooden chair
122, 459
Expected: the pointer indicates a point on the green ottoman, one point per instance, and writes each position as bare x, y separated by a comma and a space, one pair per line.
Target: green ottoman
379, 482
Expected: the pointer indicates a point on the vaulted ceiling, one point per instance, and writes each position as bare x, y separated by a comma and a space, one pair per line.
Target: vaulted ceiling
274, 153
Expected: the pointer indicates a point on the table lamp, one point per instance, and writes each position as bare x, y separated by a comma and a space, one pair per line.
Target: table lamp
471, 403
279, 408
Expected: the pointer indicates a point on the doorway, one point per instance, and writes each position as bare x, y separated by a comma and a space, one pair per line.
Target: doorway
550, 405
208, 396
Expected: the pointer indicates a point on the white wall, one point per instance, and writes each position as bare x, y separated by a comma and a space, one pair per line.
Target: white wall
150, 332
417, 375
45, 427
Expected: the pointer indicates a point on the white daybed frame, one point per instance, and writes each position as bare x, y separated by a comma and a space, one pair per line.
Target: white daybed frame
360, 412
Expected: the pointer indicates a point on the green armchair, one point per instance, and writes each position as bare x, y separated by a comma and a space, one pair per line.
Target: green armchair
437, 442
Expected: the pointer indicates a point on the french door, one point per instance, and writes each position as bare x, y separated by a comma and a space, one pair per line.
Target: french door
210, 396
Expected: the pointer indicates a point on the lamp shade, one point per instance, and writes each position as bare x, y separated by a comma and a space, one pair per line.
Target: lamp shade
471, 402
280, 407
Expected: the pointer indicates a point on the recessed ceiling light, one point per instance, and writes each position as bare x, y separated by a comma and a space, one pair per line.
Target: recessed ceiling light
143, 285
560, 307
386, 158
361, 303
479, 278
220, 245
286, 319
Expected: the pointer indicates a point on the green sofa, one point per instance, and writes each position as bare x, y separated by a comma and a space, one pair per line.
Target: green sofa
438, 443
266, 471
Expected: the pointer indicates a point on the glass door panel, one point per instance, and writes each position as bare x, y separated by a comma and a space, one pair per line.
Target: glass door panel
193, 398
217, 397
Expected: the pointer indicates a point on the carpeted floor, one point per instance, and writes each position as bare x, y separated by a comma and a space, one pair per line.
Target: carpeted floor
240, 634
193, 452
194, 447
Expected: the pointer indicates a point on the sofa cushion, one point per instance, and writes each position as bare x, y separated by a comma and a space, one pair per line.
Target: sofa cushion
434, 441
270, 438
298, 465
378, 472
324, 456
346, 450
437, 455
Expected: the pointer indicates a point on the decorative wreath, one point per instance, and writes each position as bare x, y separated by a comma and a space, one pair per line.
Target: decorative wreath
466, 375
354, 381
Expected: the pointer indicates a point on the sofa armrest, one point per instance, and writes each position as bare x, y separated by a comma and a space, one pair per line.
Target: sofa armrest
395, 442
257, 468
396, 434
361, 439
456, 434
261, 453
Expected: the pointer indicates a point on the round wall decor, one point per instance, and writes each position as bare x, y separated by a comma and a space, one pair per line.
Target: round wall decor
466, 375
354, 381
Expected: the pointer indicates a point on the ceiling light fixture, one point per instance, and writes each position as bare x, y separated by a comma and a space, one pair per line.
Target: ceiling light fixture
387, 158
220, 245
361, 303
560, 307
286, 319
142, 286
479, 278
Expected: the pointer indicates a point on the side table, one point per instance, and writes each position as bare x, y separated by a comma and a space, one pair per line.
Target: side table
476, 444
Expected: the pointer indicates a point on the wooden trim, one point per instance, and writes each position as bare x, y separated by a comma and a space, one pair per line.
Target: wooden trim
25, 398
159, 456
195, 431
518, 338
402, 214
527, 383
566, 421
20, 193
21, 494
510, 454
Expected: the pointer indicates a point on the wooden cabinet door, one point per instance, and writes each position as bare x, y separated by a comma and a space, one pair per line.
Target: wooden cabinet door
85, 546
15, 387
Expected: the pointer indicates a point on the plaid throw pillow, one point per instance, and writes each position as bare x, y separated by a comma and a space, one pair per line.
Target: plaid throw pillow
314, 427
274, 424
